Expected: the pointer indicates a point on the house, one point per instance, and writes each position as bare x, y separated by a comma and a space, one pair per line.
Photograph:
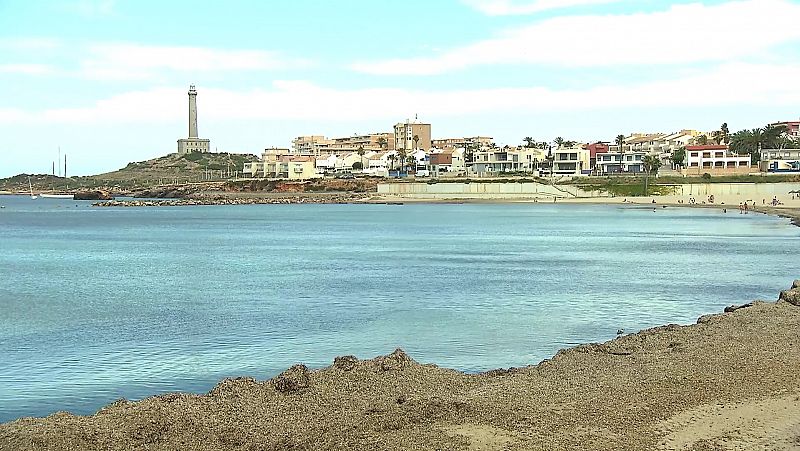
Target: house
614, 162
571, 162
780, 160
715, 160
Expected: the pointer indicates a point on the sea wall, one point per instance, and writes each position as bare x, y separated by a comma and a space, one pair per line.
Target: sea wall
477, 190
532, 190
746, 190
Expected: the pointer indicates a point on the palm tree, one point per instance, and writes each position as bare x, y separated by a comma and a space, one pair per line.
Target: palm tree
650, 163
391, 159
725, 133
361, 154
416, 142
570, 143
620, 141
559, 141
528, 141
401, 155
703, 139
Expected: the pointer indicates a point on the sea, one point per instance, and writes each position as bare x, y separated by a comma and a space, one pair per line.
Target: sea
98, 304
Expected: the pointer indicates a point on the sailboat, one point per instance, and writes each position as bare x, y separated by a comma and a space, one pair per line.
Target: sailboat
33, 196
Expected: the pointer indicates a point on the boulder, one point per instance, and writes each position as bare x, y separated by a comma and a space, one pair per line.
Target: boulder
796, 284
294, 379
394, 361
345, 362
791, 296
92, 195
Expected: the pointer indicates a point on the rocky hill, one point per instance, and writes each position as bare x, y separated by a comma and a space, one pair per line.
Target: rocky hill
169, 169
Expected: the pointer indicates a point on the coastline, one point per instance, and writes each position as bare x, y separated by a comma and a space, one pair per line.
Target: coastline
727, 382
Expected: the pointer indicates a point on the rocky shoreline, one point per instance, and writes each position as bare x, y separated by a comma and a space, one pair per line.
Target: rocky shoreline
342, 198
728, 382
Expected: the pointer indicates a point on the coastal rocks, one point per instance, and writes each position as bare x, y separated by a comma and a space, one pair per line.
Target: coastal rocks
791, 296
344, 198
733, 308
345, 363
294, 379
92, 195
394, 361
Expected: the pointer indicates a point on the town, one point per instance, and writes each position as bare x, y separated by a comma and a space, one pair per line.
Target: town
410, 150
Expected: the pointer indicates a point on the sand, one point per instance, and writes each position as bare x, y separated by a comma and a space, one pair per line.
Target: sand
729, 382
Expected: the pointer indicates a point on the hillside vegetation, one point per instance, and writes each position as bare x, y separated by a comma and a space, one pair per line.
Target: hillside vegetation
169, 169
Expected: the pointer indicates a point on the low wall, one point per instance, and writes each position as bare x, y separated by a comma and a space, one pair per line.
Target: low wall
749, 190
532, 190
478, 190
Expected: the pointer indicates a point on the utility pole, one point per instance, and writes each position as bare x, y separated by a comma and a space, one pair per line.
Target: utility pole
65, 165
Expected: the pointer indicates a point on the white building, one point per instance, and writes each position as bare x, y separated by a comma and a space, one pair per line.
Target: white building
614, 162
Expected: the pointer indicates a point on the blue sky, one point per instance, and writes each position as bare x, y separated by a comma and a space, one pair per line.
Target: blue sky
106, 80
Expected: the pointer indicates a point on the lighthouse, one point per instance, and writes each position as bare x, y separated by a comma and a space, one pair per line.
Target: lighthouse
193, 143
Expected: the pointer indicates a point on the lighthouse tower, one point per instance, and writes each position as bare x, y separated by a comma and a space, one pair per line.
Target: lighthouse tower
193, 143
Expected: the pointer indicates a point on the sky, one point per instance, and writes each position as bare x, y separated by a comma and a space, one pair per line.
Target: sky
105, 81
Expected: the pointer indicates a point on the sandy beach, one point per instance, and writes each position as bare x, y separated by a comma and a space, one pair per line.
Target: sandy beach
728, 382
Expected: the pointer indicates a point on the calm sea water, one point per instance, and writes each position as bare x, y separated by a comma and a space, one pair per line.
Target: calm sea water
98, 304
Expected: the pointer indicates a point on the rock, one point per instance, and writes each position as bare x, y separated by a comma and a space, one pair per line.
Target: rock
92, 195
734, 308
345, 363
705, 319
791, 296
294, 379
796, 284
394, 361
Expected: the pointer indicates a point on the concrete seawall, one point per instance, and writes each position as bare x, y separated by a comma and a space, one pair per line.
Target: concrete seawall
527, 190
532, 190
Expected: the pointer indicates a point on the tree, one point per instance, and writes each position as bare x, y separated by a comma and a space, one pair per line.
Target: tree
725, 133
357, 166
401, 156
703, 139
570, 143
620, 140
558, 142
412, 162
416, 142
469, 154
361, 154
528, 141
650, 163
679, 156
383, 142
392, 159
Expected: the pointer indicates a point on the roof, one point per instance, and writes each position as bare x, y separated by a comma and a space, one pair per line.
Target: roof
708, 147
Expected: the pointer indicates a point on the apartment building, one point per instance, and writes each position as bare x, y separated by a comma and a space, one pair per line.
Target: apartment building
475, 142
507, 159
792, 128
410, 136
715, 160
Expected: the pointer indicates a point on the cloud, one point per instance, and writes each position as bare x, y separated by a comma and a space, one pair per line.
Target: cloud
734, 85
125, 61
27, 69
688, 33
509, 7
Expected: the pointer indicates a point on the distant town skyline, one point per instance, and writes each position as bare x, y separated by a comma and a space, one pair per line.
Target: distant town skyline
106, 80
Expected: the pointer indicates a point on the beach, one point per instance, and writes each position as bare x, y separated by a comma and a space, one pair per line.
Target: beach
728, 382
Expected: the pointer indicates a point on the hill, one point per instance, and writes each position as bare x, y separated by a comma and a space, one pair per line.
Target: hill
169, 169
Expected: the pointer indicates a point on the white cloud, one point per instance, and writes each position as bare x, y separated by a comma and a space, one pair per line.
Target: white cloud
509, 7
27, 69
688, 33
124, 61
735, 85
